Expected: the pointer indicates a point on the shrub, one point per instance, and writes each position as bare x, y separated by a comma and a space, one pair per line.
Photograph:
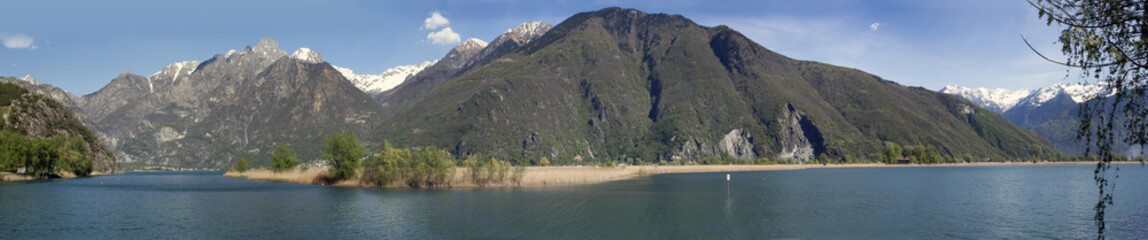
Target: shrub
543, 162
384, 167
241, 165
283, 158
484, 171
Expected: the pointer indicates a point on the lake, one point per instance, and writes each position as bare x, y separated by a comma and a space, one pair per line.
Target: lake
860, 203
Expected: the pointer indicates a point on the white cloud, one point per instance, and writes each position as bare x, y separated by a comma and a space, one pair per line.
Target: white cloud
445, 36
18, 41
874, 26
435, 21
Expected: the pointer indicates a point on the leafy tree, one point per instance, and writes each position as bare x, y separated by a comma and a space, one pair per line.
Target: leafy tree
892, 152
342, 151
543, 162
1108, 42
1036, 151
241, 165
283, 158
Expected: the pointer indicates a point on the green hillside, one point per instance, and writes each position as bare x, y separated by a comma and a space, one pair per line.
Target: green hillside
620, 84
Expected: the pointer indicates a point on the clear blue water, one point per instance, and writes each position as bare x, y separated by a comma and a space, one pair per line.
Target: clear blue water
867, 203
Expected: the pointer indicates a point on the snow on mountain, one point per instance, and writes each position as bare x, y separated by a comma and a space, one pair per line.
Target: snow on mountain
528, 30
375, 84
996, 100
1000, 100
306, 55
28, 78
472, 44
176, 70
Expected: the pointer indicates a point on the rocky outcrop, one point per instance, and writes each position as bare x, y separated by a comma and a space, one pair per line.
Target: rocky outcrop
737, 144
799, 137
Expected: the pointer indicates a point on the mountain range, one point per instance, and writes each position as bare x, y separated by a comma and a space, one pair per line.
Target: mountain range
609, 85
1050, 112
621, 84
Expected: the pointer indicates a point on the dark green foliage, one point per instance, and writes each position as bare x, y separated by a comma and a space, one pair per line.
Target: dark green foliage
65, 147
342, 152
241, 165
9, 92
283, 159
892, 152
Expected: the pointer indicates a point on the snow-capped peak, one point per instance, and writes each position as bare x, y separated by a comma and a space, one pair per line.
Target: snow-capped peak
1081, 92
1000, 100
177, 70
375, 84
472, 44
28, 78
528, 31
996, 100
306, 55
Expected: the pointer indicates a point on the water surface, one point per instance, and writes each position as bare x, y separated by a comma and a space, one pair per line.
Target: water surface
862, 203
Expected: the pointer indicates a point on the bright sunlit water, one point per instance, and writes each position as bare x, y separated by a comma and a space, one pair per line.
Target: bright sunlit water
864, 203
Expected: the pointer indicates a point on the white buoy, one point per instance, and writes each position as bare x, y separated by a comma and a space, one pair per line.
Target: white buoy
727, 177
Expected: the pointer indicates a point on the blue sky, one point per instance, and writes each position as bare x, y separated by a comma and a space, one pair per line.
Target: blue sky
81, 45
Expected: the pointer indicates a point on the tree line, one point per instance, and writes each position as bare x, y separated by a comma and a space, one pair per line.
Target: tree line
40, 157
426, 167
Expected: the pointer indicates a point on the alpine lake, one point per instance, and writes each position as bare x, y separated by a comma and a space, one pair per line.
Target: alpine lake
1025, 202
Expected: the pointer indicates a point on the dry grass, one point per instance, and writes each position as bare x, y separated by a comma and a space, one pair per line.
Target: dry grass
571, 175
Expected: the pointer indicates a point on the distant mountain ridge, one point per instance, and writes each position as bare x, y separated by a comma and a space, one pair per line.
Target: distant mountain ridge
238, 104
374, 85
1050, 112
1001, 100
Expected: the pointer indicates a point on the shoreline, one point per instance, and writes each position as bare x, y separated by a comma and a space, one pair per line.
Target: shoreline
15, 177
575, 175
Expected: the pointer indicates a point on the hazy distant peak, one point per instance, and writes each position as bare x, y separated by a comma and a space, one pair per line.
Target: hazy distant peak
306, 55
269, 49
375, 84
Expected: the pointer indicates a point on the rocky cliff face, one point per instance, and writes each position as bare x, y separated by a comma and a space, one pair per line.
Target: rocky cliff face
206, 114
38, 116
799, 137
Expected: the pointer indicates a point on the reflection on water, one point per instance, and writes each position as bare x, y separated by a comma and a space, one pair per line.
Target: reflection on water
871, 203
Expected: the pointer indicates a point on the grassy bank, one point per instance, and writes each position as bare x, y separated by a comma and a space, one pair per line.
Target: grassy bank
571, 175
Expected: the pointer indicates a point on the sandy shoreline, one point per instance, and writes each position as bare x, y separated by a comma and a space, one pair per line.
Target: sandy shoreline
571, 175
